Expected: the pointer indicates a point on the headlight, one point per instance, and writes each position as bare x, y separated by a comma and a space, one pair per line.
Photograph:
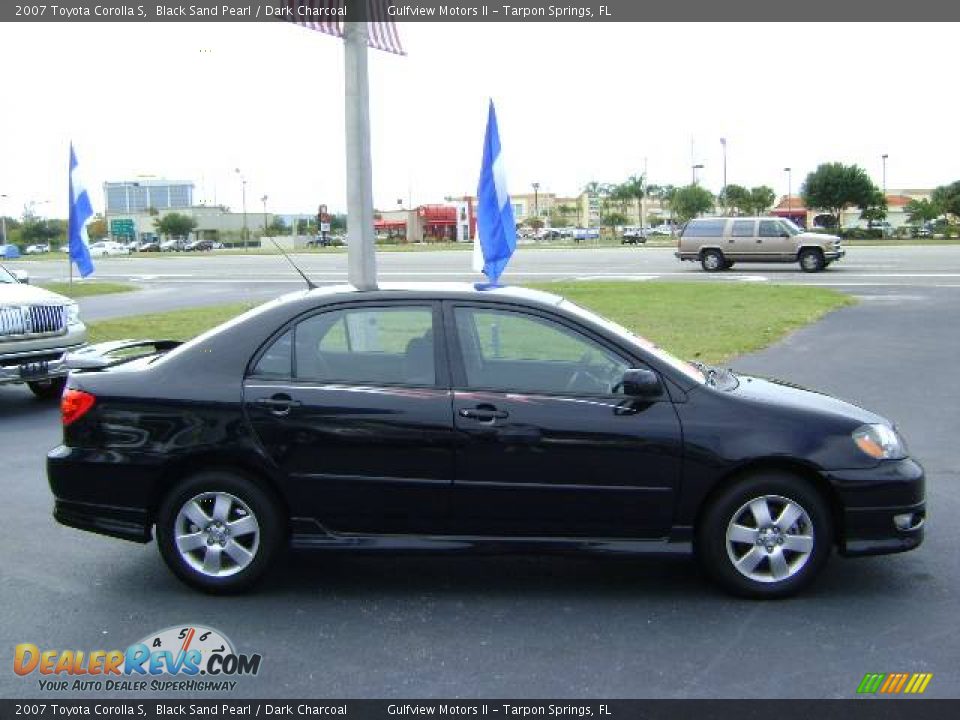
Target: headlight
879, 441
73, 314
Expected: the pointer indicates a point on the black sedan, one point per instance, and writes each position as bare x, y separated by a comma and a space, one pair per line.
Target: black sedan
444, 417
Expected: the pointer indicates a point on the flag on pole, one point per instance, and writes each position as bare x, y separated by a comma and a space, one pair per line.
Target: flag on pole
327, 16
496, 237
80, 211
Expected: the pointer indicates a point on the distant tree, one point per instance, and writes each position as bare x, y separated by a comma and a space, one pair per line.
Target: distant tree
42, 231
635, 187
876, 208
947, 199
835, 187
689, 201
97, 229
277, 226
175, 224
922, 211
761, 199
533, 222
338, 223
613, 220
739, 198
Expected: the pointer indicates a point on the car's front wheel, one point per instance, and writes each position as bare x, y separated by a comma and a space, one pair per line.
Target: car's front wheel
766, 536
49, 389
812, 260
219, 531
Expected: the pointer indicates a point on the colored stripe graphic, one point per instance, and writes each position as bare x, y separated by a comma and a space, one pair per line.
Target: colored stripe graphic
894, 683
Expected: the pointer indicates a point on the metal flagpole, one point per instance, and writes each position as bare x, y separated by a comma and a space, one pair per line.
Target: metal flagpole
361, 257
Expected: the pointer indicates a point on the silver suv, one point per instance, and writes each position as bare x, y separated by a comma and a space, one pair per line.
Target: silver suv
37, 327
717, 243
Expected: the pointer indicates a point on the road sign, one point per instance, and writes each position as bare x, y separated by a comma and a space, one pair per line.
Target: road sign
324, 227
121, 227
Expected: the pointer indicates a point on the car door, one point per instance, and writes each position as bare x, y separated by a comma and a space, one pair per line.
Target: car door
775, 241
548, 445
353, 406
742, 242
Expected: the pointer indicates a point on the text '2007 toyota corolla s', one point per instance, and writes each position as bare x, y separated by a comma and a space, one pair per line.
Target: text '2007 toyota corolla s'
443, 417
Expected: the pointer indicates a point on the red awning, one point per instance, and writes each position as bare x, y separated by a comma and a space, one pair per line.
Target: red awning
389, 224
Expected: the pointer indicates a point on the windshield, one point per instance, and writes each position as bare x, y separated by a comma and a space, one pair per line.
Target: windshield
5, 276
790, 227
689, 370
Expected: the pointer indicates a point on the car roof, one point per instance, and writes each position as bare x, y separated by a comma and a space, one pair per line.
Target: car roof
437, 290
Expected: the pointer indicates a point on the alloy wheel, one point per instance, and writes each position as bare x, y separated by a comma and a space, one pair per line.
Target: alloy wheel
217, 534
770, 539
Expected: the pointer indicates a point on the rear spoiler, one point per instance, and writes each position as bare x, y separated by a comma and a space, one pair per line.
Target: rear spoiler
107, 354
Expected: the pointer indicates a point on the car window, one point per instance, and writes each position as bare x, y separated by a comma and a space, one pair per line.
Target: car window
386, 345
743, 228
705, 228
770, 228
514, 351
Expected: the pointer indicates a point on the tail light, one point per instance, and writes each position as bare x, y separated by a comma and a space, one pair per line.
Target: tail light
74, 404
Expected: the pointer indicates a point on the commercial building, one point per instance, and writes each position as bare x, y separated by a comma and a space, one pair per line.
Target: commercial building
793, 207
138, 196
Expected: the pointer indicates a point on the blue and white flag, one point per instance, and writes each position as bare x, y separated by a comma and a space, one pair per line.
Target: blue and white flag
496, 237
80, 212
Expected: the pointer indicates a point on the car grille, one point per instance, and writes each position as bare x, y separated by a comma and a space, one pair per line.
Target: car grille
27, 320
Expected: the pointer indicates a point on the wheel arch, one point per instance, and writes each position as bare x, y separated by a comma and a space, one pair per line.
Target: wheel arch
790, 466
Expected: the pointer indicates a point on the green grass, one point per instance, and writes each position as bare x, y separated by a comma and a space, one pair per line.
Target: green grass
86, 289
173, 325
712, 322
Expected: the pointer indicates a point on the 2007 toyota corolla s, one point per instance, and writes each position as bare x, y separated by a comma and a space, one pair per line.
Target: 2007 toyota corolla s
442, 417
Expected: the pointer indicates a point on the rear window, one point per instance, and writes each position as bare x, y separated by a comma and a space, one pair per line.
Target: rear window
705, 228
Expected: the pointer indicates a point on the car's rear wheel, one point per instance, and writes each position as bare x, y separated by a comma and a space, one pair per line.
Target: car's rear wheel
766, 536
49, 389
812, 260
219, 531
712, 260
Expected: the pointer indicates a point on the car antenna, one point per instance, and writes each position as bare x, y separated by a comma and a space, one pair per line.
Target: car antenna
310, 283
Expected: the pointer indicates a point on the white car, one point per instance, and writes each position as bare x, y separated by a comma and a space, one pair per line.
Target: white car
662, 230
37, 249
108, 247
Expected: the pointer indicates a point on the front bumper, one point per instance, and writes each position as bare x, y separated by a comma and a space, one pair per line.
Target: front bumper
883, 509
832, 255
35, 365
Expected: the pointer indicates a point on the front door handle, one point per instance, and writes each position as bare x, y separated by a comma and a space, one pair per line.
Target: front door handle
484, 413
279, 404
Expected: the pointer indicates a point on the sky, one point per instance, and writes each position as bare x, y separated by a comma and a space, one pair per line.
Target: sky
576, 103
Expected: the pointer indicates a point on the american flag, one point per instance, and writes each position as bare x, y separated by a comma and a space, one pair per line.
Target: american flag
327, 16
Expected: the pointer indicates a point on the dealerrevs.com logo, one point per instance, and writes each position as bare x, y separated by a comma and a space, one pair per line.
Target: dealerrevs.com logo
186, 658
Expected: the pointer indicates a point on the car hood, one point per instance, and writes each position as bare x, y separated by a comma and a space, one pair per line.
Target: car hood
20, 294
781, 394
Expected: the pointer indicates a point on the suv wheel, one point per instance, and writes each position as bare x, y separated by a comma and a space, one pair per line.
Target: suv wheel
50, 389
728, 264
766, 536
811, 260
219, 532
712, 260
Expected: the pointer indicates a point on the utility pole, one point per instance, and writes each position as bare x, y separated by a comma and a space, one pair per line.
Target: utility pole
884, 158
723, 142
243, 185
264, 201
789, 172
536, 200
361, 256
3, 220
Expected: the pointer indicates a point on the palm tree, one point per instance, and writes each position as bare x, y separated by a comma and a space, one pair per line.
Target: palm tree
636, 188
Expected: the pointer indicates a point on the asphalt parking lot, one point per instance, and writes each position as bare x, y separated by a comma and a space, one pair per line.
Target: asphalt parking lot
542, 626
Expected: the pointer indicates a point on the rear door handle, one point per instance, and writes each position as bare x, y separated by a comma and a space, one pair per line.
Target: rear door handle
484, 414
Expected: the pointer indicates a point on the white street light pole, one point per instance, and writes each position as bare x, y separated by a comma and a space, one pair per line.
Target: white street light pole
264, 201
789, 172
361, 256
3, 221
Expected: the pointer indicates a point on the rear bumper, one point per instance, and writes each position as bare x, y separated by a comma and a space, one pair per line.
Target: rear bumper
884, 508
120, 522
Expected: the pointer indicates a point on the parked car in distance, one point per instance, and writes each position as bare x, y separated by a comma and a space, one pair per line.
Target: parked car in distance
103, 248
718, 243
149, 246
425, 417
663, 229
173, 245
198, 246
36, 328
38, 249
633, 236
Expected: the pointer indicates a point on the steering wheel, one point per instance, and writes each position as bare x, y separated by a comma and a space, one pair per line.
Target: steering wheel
581, 374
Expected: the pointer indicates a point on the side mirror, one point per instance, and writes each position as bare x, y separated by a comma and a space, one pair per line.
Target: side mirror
641, 383
21, 276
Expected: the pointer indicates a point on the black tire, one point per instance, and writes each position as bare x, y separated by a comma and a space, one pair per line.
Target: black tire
712, 260
811, 260
728, 264
718, 553
50, 389
263, 546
